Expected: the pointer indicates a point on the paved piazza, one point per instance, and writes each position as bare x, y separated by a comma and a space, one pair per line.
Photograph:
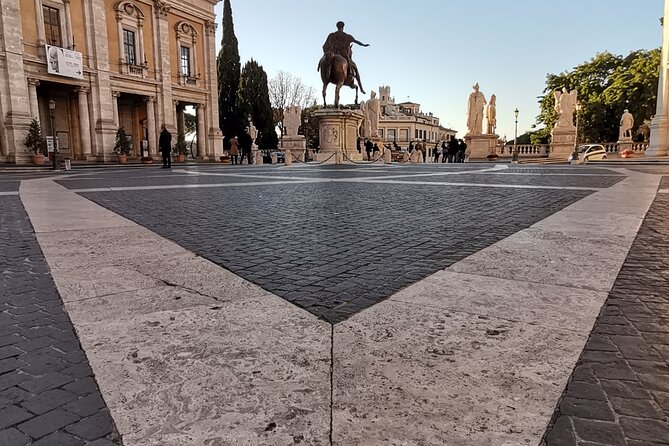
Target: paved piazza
472, 304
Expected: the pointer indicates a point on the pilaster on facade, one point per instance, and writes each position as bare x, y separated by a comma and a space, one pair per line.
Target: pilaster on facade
201, 142
151, 125
84, 123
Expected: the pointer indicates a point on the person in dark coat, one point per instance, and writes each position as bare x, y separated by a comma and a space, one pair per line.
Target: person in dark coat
435, 152
368, 148
165, 145
444, 152
452, 150
246, 143
462, 151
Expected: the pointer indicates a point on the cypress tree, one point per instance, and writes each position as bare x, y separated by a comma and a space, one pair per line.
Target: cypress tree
254, 100
228, 66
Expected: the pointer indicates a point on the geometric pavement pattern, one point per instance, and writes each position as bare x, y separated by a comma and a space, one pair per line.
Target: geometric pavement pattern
618, 393
48, 395
337, 247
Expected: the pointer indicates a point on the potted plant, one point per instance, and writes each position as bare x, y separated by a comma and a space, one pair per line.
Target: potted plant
35, 142
122, 145
180, 148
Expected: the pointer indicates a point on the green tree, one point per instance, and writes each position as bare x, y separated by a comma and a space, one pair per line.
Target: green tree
35, 141
310, 126
254, 101
228, 65
606, 85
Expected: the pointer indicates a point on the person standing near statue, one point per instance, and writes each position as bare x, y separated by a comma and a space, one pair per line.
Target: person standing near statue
475, 107
234, 150
369, 147
165, 145
340, 43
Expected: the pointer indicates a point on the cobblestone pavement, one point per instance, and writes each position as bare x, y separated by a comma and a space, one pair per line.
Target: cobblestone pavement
619, 391
48, 395
336, 248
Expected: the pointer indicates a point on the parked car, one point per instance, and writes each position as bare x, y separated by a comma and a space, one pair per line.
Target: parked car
589, 152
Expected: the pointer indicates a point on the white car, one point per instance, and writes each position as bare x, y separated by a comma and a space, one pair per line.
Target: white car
589, 152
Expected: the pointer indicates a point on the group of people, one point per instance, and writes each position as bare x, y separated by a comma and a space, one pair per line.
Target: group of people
243, 145
453, 151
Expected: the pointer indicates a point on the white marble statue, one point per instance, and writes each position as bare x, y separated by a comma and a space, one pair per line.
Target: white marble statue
366, 125
292, 117
475, 107
252, 131
626, 124
491, 115
374, 112
565, 104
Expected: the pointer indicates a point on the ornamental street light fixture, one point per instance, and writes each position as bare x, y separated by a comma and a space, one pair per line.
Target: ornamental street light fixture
515, 138
574, 156
52, 115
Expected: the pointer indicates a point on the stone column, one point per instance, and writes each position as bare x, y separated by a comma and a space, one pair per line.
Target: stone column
659, 126
181, 124
164, 37
215, 139
151, 125
84, 123
200, 108
32, 91
68, 25
115, 96
14, 102
41, 37
119, 30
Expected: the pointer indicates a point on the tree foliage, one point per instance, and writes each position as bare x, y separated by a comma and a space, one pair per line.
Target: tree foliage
310, 126
606, 86
35, 141
228, 66
286, 89
190, 122
254, 101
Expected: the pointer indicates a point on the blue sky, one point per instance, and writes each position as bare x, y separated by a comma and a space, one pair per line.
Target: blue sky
433, 51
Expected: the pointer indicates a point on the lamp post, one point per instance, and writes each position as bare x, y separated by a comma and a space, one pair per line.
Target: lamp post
52, 115
515, 137
306, 139
574, 156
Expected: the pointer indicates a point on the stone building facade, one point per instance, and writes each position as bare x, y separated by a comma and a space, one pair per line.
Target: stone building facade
404, 122
107, 64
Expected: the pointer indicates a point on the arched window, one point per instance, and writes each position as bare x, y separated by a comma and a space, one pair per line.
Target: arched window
130, 25
187, 53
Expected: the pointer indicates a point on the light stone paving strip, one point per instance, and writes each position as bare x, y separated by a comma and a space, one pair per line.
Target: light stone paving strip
185, 353
478, 354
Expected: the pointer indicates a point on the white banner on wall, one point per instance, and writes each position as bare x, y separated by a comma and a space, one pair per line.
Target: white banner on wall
64, 62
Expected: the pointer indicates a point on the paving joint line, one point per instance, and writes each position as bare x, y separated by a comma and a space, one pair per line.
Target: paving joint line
331, 384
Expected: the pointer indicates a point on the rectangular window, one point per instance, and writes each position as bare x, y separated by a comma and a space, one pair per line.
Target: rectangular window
185, 61
129, 47
52, 26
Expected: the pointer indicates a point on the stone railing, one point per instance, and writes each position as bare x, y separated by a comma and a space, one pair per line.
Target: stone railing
614, 147
525, 150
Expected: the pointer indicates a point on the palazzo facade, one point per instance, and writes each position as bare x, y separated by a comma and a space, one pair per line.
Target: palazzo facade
106, 64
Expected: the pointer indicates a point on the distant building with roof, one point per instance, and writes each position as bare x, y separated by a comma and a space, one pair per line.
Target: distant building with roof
404, 122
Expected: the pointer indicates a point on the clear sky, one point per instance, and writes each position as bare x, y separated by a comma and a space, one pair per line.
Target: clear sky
433, 51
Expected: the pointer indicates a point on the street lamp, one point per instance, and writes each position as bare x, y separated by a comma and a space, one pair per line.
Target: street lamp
515, 138
306, 139
574, 155
52, 115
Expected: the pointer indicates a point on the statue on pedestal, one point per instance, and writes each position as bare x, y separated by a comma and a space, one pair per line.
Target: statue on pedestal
475, 106
292, 117
337, 66
565, 104
252, 132
373, 111
626, 124
491, 115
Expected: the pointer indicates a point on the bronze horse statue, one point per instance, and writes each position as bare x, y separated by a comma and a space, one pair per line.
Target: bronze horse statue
334, 69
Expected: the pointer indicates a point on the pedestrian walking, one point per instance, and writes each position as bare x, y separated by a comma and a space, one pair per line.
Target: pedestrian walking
375, 150
246, 144
435, 152
462, 152
369, 147
165, 145
234, 150
452, 150
444, 152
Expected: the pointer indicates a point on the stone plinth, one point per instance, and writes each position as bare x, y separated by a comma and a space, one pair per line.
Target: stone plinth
563, 140
625, 144
296, 145
338, 131
480, 146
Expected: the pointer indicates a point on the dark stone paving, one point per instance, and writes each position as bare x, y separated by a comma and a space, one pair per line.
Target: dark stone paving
336, 248
619, 391
533, 180
167, 180
9, 185
48, 395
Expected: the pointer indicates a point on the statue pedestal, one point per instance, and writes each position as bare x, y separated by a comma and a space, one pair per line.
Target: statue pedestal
480, 146
338, 131
563, 140
296, 145
625, 144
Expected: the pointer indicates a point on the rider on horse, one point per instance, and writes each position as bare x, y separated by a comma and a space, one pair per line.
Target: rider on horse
340, 43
